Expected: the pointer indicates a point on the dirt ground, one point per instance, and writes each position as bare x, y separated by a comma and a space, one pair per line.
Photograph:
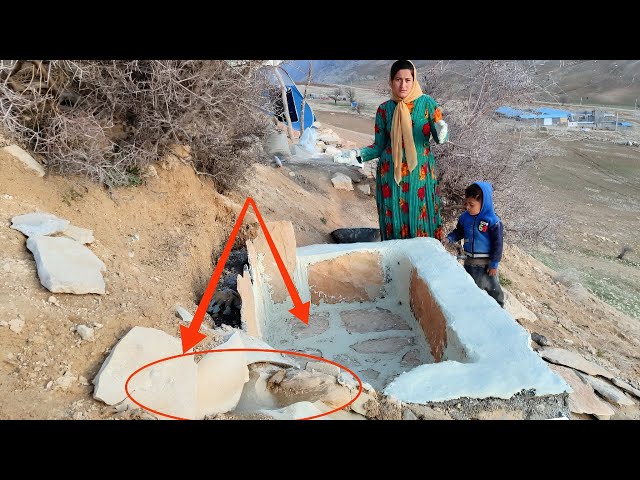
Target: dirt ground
180, 223
598, 185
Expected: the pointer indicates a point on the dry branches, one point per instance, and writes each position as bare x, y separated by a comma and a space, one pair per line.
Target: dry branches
481, 149
109, 119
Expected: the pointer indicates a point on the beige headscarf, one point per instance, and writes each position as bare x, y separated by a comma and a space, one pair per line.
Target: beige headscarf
401, 130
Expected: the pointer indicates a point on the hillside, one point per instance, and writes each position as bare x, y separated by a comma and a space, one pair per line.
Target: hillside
596, 82
160, 242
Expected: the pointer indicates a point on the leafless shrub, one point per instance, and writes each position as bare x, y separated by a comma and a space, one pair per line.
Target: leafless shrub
351, 94
108, 119
626, 249
382, 87
481, 149
336, 95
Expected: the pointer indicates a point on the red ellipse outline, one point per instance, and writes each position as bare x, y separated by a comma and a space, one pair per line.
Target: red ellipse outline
126, 385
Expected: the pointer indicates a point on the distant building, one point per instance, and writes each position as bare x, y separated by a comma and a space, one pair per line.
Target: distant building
540, 116
596, 119
550, 116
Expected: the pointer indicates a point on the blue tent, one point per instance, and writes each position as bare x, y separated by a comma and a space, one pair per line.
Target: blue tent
294, 101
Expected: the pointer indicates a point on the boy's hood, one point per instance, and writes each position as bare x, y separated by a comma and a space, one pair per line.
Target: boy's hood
486, 211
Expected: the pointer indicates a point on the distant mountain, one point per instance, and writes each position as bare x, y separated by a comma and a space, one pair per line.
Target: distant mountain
344, 72
606, 82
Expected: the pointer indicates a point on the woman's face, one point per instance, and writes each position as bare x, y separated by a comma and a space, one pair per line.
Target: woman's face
402, 83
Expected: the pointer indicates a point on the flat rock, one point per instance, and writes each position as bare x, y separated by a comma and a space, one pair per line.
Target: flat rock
169, 387
582, 399
342, 182
372, 320
82, 235
66, 266
318, 323
221, 378
626, 387
23, 158
573, 360
608, 391
39, 223
365, 188
302, 385
382, 345
255, 395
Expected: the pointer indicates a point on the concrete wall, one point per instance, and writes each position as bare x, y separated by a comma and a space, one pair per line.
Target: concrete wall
478, 350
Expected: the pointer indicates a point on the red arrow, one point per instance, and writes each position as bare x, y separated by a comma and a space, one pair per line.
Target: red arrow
191, 334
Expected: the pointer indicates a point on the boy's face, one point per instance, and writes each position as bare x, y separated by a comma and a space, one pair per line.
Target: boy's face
472, 205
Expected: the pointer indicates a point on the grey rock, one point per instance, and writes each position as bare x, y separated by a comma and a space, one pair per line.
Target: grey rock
608, 391
540, 339
39, 223
626, 387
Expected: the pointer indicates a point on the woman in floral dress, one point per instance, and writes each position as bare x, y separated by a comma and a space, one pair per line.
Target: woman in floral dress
407, 193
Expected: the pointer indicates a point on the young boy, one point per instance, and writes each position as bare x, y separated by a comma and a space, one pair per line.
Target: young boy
481, 229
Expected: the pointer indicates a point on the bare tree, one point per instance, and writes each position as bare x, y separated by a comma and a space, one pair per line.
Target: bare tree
383, 88
304, 99
109, 119
351, 94
480, 148
285, 103
336, 95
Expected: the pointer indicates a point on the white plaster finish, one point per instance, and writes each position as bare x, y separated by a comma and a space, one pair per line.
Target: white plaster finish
499, 361
248, 308
276, 358
284, 239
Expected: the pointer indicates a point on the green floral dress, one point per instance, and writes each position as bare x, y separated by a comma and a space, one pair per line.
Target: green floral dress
411, 209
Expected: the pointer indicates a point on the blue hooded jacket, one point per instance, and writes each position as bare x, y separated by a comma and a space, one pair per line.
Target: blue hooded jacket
482, 233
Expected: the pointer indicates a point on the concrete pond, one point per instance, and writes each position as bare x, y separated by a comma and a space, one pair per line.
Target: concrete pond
405, 317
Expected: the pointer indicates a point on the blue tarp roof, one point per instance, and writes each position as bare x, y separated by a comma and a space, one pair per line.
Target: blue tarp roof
542, 112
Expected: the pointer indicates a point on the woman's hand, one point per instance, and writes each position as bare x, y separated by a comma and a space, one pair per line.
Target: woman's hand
350, 157
442, 130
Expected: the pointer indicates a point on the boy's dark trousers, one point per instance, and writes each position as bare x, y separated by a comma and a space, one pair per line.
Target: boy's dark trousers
483, 280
